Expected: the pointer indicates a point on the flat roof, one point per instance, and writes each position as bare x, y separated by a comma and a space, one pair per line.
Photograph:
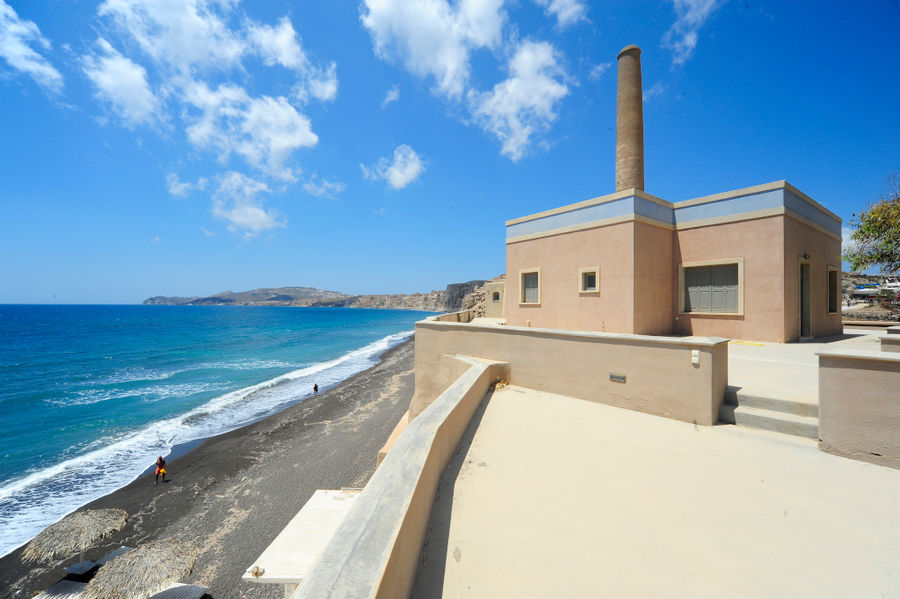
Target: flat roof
554, 496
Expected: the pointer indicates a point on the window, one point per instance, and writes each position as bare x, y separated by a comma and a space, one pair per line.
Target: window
834, 291
589, 280
712, 287
531, 286
496, 297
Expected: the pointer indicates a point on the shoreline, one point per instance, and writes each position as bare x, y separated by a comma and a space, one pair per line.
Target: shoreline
231, 494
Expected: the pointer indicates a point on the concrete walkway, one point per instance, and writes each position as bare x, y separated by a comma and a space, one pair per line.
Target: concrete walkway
551, 496
788, 371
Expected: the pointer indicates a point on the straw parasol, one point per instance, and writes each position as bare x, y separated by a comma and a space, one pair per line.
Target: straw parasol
74, 533
144, 571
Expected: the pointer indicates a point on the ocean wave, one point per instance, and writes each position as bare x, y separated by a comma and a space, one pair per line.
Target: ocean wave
86, 397
33, 501
137, 375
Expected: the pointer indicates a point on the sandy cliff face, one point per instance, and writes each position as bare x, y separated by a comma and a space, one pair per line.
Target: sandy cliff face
456, 297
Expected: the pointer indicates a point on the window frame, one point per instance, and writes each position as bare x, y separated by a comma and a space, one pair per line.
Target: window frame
582, 272
837, 290
720, 262
522, 273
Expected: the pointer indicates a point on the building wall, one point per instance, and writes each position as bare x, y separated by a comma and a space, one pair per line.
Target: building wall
683, 379
494, 309
560, 257
654, 279
823, 251
759, 243
639, 242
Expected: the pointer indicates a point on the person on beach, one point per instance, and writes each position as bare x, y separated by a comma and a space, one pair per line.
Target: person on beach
160, 469
316, 389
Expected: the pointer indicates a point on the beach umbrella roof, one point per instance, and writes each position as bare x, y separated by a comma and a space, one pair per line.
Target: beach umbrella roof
143, 572
74, 533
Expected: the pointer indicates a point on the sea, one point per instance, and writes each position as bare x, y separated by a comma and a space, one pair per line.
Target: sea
91, 395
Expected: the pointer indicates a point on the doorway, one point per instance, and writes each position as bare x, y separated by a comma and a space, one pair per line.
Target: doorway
805, 332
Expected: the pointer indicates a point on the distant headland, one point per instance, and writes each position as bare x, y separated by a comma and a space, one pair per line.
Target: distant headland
455, 297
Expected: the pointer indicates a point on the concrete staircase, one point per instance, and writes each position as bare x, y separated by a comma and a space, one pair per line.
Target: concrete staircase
791, 417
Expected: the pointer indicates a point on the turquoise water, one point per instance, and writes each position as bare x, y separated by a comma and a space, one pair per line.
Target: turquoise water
96, 393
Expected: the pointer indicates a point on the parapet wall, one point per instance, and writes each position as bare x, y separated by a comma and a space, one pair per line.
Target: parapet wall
656, 375
859, 405
374, 554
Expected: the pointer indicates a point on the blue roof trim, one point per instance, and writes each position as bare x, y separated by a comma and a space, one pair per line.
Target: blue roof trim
580, 216
731, 206
638, 206
810, 212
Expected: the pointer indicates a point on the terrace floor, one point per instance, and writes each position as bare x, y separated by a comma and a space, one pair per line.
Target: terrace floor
552, 496
789, 371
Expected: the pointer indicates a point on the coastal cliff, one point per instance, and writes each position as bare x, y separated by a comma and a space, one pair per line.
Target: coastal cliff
455, 297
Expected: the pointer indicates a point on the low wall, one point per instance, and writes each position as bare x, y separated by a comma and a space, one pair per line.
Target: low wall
639, 372
890, 343
375, 552
859, 405
464, 316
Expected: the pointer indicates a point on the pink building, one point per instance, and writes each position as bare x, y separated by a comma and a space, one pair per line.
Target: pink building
757, 263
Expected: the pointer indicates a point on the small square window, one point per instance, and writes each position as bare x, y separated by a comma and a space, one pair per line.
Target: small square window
496, 297
589, 280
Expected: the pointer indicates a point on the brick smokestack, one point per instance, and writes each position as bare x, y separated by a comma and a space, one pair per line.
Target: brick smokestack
629, 121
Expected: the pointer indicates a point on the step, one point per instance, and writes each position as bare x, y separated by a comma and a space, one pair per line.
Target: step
736, 397
781, 422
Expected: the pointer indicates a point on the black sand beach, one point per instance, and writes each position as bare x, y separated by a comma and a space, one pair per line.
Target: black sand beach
232, 494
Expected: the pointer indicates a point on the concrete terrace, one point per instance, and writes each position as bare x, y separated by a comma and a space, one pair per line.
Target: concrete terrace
553, 496
789, 371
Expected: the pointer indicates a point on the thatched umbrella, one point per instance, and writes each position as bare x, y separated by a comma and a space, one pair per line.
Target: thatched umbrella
144, 571
74, 533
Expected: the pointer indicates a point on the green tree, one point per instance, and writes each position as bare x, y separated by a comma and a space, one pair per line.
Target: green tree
876, 235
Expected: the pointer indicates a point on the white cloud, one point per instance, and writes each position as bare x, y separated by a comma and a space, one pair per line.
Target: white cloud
122, 83
278, 44
185, 35
392, 95
155, 239
405, 168
655, 90
16, 35
598, 70
182, 188
567, 12
432, 38
193, 47
681, 38
236, 202
281, 45
325, 189
435, 39
321, 84
525, 103
265, 130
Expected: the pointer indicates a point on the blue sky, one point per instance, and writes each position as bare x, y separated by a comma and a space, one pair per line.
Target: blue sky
161, 147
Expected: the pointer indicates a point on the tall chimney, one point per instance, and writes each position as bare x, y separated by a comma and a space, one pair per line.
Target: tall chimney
629, 121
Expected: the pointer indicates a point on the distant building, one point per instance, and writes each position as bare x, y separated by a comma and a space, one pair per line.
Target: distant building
757, 263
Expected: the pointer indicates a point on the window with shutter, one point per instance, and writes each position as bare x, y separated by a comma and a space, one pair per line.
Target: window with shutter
714, 288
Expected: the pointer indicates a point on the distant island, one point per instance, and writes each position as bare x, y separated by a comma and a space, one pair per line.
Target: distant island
455, 297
